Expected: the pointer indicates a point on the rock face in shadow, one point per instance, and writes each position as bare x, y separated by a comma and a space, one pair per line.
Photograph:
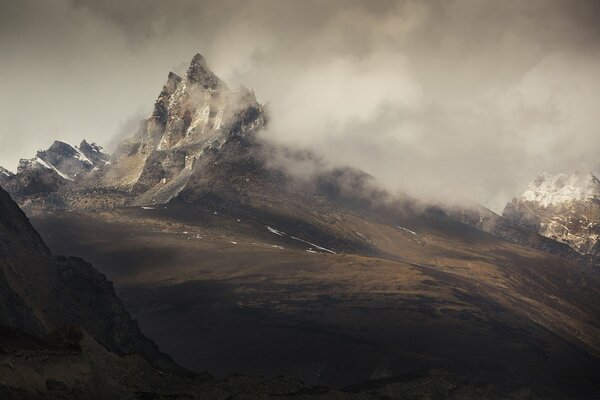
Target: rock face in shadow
40, 293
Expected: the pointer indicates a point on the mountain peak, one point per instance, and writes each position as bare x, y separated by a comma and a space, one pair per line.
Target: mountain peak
199, 74
563, 207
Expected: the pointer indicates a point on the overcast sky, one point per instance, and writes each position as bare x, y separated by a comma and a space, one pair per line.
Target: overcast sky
443, 99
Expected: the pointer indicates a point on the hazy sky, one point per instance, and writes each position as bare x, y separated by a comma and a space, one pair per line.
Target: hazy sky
442, 99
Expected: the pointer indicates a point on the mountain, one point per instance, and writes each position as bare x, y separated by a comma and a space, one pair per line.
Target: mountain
200, 144
562, 207
234, 264
196, 123
60, 166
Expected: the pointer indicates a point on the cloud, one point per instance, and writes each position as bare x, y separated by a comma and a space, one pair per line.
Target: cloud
443, 99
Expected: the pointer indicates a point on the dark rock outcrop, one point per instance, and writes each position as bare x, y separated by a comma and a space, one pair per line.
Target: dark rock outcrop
40, 293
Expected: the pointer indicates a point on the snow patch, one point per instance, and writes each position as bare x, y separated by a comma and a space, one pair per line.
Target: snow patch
280, 233
314, 245
79, 155
52, 167
406, 230
275, 231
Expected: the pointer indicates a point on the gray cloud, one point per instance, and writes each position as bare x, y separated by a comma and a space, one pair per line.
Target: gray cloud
444, 99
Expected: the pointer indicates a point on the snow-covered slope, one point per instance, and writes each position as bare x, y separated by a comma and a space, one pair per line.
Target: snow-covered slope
562, 207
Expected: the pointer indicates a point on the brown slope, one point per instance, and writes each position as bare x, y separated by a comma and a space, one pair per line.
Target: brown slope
408, 289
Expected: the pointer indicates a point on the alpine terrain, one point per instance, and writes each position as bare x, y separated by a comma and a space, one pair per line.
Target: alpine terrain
562, 207
233, 264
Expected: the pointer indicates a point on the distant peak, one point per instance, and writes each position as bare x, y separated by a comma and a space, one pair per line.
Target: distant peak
199, 73
198, 59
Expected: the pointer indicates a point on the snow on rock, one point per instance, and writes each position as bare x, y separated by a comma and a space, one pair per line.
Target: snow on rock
562, 207
280, 233
314, 245
554, 189
275, 231
52, 167
78, 154
406, 230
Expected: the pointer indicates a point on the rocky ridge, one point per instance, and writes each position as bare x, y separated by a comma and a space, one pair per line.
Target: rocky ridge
62, 165
194, 119
565, 208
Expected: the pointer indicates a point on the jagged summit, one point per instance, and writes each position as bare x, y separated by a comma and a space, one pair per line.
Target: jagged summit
197, 127
60, 165
199, 74
94, 152
193, 120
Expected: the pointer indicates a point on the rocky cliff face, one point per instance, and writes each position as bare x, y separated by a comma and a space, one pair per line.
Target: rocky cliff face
40, 293
61, 165
194, 119
563, 207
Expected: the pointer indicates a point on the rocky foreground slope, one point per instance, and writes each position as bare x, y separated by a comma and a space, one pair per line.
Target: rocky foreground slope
40, 293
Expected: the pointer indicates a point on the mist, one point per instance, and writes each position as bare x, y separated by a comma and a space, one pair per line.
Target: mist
445, 100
